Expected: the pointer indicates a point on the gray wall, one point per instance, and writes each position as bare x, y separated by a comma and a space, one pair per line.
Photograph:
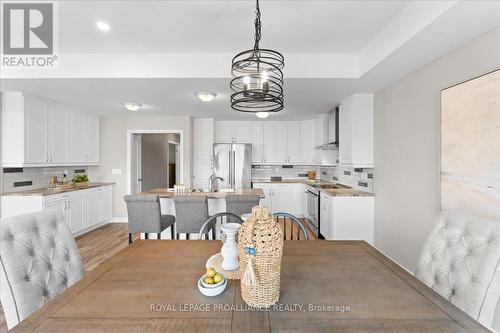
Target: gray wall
407, 146
114, 150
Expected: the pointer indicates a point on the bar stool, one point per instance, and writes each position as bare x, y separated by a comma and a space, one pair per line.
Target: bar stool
240, 204
191, 211
144, 215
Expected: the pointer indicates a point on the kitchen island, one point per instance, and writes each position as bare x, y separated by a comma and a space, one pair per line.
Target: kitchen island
216, 200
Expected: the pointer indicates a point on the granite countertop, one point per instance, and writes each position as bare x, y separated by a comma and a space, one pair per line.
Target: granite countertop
286, 181
44, 191
346, 192
165, 193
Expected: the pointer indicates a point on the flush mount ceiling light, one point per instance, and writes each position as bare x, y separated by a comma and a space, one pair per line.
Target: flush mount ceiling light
132, 106
257, 82
103, 26
206, 96
262, 114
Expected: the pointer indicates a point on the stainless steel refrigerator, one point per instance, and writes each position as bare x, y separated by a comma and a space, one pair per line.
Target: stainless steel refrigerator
233, 162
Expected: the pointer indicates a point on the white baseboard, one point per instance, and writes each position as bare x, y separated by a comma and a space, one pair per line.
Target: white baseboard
118, 219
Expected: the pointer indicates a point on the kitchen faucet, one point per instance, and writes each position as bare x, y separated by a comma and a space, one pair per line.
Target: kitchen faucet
211, 181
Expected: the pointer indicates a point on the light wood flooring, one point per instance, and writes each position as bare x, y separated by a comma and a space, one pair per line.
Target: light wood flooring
102, 243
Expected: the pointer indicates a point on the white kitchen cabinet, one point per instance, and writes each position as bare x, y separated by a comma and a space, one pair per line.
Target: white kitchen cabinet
105, 203
321, 130
59, 134
307, 141
287, 141
203, 140
332, 126
264, 141
76, 213
91, 137
38, 132
82, 209
347, 218
77, 141
233, 131
281, 198
92, 208
356, 131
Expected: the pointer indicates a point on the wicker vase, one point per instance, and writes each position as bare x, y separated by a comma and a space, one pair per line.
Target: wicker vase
260, 246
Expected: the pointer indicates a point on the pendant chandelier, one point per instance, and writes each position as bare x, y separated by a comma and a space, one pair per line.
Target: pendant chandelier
257, 82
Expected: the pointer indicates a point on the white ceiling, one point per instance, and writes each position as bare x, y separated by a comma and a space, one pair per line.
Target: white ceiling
222, 26
158, 53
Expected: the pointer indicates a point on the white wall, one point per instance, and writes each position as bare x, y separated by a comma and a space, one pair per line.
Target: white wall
407, 146
114, 150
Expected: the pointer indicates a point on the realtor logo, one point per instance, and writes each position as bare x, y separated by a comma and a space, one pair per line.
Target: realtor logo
28, 34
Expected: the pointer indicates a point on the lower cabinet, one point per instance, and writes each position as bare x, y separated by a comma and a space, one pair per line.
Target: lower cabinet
282, 197
82, 209
347, 218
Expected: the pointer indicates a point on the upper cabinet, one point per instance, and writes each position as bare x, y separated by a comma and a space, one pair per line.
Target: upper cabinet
356, 131
287, 141
321, 130
203, 140
233, 132
308, 141
37, 132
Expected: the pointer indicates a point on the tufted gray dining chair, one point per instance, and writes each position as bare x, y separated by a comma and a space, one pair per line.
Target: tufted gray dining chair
241, 204
39, 260
191, 211
460, 261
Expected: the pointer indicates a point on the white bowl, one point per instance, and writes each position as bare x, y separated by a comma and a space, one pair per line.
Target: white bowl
206, 285
212, 291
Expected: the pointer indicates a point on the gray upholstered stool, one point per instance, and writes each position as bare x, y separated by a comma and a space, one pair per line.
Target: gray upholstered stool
39, 259
191, 211
144, 215
241, 204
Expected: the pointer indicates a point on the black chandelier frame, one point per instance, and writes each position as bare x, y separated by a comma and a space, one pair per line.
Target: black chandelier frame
250, 92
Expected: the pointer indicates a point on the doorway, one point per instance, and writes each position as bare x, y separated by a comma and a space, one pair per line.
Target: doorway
154, 159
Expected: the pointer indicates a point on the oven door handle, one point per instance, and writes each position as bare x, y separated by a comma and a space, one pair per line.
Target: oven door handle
309, 192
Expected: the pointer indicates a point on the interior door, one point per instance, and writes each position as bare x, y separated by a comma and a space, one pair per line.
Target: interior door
222, 163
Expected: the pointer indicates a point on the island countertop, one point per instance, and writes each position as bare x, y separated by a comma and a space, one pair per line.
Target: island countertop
165, 193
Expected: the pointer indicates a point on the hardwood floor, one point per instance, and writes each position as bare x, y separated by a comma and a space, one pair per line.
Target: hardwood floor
102, 243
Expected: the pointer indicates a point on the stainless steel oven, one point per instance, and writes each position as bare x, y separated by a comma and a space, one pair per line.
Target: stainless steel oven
312, 212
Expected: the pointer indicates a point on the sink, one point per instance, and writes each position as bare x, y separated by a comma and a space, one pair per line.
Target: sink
202, 190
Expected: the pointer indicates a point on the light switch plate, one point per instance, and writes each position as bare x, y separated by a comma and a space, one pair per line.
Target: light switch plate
116, 171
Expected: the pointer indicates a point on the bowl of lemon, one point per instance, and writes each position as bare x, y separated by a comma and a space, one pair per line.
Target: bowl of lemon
212, 283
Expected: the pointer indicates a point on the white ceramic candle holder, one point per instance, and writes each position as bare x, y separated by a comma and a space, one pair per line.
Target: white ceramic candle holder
229, 250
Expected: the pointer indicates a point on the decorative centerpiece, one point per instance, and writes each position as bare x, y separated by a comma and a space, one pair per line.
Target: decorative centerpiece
229, 250
260, 243
80, 180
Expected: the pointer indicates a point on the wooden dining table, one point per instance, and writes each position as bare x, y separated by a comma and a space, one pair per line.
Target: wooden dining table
341, 286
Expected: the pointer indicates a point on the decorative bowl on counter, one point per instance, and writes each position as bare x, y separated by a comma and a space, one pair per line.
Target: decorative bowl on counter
213, 290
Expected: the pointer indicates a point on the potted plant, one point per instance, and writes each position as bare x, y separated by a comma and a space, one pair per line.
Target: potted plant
80, 180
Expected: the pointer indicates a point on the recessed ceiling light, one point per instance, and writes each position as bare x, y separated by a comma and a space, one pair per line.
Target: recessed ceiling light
206, 96
262, 114
132, 106
103, 26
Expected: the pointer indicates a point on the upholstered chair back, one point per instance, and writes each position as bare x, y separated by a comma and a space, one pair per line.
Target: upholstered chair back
39, 260
190, 212
460, 261
144, 213
241, 204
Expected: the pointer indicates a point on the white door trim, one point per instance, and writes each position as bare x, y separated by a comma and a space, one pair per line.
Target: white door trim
152, 131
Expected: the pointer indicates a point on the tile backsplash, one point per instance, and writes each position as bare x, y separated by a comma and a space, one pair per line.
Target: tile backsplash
285, 171
22, 179
358, 178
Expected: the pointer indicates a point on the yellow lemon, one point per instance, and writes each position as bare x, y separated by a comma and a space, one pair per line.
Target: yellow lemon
218, 278
211, 272
209, 280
